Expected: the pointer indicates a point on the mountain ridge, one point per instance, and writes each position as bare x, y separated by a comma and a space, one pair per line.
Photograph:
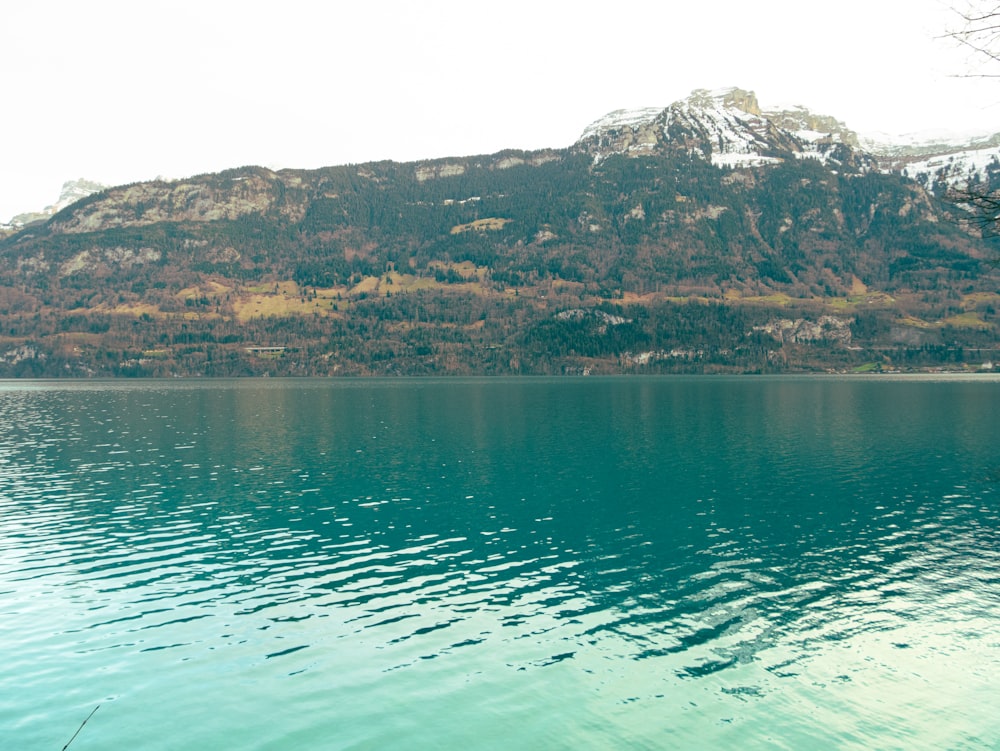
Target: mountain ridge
715, 234
895, 151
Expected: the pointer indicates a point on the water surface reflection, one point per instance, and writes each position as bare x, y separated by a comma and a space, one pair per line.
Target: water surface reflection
651, 561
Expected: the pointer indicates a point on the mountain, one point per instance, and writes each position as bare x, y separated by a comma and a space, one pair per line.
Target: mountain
726, 127
711, 235
740, 133
72, 191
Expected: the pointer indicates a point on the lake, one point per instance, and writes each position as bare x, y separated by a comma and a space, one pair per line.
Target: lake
640, 563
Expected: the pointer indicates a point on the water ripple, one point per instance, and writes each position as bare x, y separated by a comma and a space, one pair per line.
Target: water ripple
625, 588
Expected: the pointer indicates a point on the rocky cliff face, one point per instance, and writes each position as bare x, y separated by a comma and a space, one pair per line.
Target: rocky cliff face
811, 127
234, 194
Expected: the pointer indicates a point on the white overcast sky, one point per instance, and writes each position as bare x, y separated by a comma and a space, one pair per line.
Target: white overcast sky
120, 91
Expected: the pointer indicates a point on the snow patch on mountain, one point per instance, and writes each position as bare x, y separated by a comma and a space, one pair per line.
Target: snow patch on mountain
939, 158
954, 170
619, 119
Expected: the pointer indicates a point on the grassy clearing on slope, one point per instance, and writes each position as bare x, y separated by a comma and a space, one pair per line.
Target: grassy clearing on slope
481, 225
966, 321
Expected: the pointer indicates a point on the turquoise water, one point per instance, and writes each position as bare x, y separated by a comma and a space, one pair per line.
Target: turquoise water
496, 564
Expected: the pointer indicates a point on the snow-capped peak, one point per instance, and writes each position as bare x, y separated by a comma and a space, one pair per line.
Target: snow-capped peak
725, 126
729, 128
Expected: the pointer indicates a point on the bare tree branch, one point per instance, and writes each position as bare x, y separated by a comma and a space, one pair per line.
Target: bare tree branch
981, 207
979, 29
980, 32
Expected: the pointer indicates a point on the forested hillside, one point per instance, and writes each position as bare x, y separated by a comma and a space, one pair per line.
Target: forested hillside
560, 261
